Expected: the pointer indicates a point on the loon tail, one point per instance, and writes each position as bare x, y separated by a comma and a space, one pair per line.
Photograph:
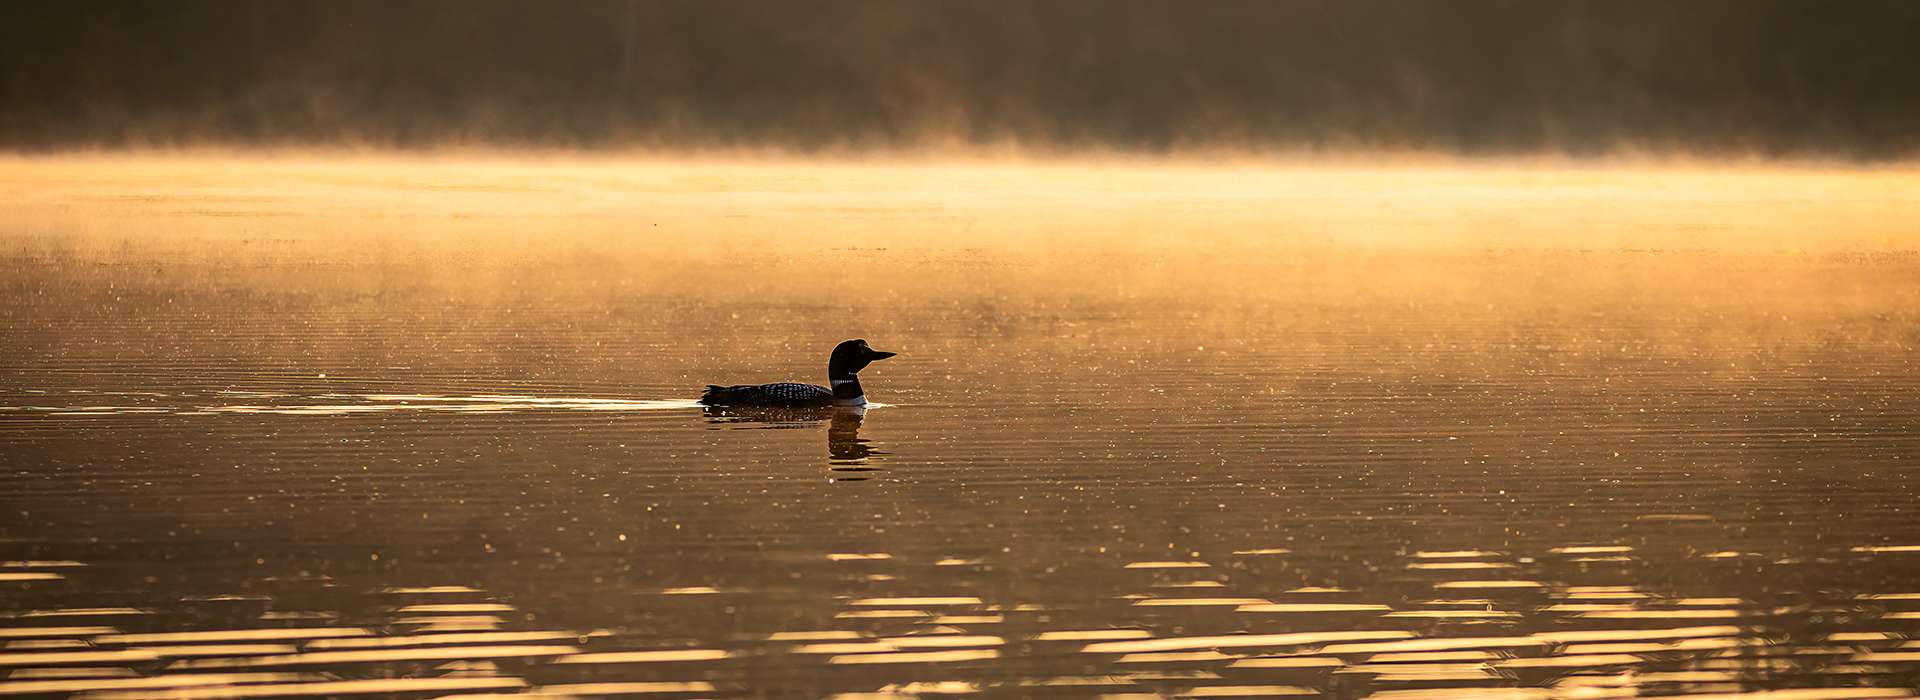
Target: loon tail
718, 395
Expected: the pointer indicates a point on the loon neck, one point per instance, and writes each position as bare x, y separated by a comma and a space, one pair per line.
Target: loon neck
846, 390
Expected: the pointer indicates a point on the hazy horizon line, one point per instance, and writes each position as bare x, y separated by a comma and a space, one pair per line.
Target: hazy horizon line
1003, 153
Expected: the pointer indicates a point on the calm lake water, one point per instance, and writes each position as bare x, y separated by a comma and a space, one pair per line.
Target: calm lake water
293, 427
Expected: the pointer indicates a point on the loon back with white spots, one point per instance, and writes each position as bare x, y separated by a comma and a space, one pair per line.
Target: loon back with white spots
843, 370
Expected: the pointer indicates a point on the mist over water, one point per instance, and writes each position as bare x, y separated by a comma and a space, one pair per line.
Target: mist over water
367, 425
1774, 78
1361, 349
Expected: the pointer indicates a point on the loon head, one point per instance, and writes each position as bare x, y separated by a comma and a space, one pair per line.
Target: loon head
852, 356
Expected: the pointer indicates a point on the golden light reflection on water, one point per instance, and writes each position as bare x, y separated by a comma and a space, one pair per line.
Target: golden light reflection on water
490, 209
1434, 430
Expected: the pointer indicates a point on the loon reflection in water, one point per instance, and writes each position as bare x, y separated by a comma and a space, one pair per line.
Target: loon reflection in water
846, 450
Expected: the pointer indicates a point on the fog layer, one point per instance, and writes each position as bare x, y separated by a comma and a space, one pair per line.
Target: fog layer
1754, 77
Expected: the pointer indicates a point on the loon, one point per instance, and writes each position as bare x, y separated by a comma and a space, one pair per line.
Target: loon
843, 368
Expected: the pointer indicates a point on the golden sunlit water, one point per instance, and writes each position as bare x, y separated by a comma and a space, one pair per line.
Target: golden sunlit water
308, 425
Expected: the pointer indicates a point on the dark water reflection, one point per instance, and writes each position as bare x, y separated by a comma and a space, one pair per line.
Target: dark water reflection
1686, 473
847, 452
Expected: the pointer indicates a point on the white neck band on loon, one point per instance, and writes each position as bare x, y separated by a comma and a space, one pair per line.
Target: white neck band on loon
847, 392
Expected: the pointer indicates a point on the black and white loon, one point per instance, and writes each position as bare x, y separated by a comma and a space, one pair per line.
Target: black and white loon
843, 369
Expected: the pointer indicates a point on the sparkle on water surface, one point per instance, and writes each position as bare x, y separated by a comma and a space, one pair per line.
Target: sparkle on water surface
285, 427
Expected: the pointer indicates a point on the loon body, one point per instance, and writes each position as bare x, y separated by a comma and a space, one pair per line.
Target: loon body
843, 369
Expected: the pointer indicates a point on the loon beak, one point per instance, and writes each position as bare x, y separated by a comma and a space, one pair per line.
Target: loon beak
876, 355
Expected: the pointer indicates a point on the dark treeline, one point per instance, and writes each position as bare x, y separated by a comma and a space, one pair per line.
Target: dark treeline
1772, 77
